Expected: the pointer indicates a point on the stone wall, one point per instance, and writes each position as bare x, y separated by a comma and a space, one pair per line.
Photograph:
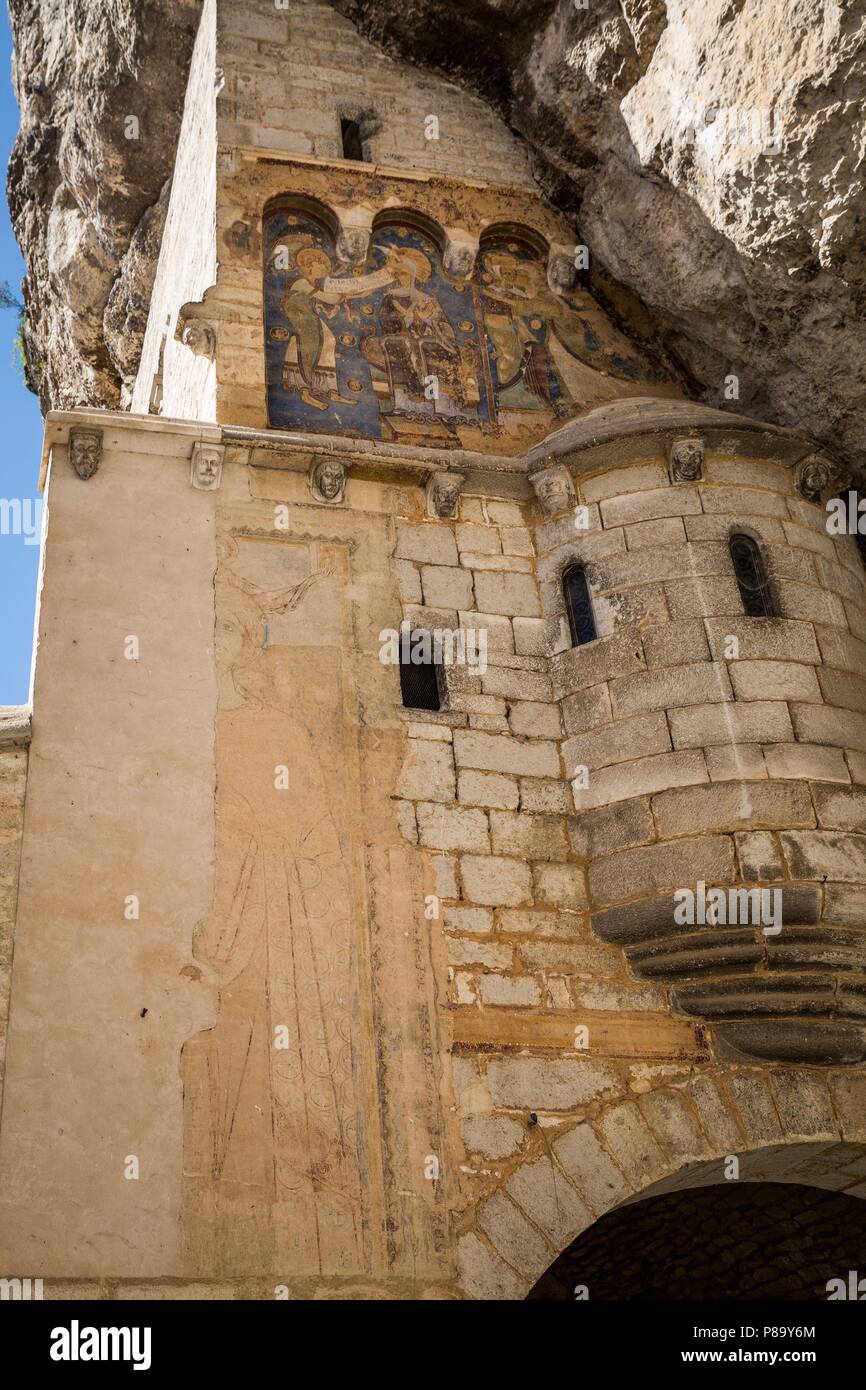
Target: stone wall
742, 770
397, 924
116, 861
656, 1130
293, 72
700, 764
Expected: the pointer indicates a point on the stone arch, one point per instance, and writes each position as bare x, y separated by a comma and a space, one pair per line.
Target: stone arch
302, 203
525, 232
412, 217
721, 1241
782, 1124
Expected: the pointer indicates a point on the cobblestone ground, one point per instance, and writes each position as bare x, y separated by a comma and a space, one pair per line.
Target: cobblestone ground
754, 1241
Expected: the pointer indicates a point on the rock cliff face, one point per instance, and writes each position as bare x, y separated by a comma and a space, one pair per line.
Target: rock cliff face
100, 85
711, 156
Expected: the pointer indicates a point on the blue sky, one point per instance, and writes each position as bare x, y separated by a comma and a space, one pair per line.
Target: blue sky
22, 438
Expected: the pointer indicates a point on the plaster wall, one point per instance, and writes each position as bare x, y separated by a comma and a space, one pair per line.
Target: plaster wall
172, 380
119, 803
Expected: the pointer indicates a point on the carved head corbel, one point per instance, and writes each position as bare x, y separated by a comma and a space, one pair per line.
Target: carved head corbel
687, 460
554, 489
353, 245
327, 480
818, 474
206, 466
85, 451
199, 335
460, 256
561, 272
443, 494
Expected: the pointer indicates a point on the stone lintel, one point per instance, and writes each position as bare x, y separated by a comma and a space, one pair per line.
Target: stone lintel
611, 1035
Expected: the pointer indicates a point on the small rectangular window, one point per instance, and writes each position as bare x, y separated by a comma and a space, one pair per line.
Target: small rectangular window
353, 140
419, 684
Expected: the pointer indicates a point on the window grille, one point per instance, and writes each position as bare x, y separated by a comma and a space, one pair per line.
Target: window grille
578, 601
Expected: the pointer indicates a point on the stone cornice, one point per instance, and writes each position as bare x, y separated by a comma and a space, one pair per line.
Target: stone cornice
583, 444
657, 421
255, 154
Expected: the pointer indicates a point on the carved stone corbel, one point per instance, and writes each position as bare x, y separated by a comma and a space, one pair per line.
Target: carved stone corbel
460, 255
198, 334
327, 480
239, 236
353, 236
561, 271
817, 474
353, 245
443, 494
687, 460
554, 489
206, 466
85, 450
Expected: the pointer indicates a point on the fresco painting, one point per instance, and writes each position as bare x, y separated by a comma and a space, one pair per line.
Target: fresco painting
400, 351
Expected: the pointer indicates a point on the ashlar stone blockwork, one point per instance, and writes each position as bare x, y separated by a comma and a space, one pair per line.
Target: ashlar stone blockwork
689, 745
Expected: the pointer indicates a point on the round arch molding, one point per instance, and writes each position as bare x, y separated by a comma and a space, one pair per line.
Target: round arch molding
782, 1125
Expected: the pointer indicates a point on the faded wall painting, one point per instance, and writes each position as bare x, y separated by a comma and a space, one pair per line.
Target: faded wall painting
273, 1095
312, 1099
398, 350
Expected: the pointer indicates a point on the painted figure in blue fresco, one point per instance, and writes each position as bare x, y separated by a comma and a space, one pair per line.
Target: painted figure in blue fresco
417, 364
313, 297
399, 349
534, 333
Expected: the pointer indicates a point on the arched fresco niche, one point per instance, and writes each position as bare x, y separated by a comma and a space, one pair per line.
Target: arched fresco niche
426, 356
547, 351
401, 351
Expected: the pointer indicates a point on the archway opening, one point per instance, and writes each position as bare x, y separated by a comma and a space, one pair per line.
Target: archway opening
731, 1241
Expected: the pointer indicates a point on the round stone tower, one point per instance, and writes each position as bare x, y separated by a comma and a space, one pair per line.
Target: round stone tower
714, 731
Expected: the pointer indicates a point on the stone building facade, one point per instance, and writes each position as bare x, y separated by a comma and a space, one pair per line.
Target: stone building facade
320, 993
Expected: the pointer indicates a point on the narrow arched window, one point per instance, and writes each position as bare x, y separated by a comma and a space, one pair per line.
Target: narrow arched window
578, 602
420, 685
751, 575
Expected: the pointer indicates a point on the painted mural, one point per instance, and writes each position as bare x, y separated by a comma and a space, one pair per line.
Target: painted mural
400, 351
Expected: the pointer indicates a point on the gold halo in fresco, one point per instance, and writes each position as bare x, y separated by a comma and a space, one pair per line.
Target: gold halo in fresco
355, 385
536, 323
279, 334
347, 339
